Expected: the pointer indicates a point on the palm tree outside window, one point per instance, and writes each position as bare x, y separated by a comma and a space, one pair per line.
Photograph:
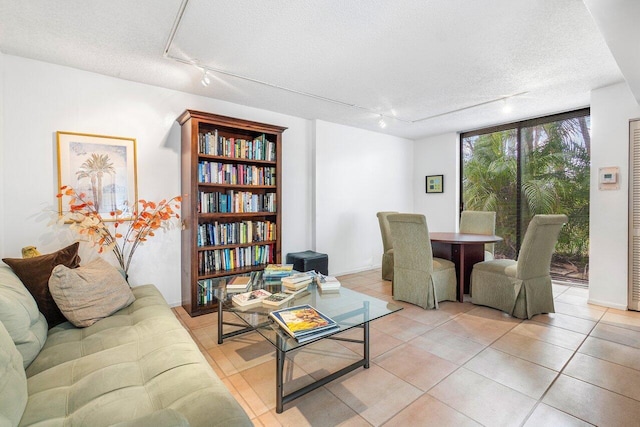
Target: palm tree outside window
538, 166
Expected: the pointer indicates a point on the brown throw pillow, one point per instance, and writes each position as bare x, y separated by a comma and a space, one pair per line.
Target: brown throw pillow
34, 274
90, 292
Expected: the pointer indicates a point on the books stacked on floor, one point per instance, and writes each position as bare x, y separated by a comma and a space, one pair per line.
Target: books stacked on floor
297, 282
277, 271
250, 299
277, 299
328, 284
304, 323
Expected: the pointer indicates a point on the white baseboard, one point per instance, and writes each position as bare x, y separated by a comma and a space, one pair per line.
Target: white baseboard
607, 304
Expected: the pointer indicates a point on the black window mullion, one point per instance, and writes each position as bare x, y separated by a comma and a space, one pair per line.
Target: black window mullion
518, 189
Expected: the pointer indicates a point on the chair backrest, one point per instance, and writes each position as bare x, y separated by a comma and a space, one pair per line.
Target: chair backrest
479, 222
387, 242
411, 242
538, 245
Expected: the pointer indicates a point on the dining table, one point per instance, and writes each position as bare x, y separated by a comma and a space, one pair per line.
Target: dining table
464, 250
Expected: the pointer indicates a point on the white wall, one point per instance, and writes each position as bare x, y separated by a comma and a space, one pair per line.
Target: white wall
358, 173
2, 172
39, 99
366, 171
437, 155
611, 109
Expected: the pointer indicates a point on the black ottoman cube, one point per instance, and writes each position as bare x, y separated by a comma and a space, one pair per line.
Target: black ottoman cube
309, 260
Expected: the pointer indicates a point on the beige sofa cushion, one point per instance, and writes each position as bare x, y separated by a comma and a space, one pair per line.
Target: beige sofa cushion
13, 382
89, 293
20, 316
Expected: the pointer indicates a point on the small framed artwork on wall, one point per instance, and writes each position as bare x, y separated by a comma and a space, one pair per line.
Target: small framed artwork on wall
435, 183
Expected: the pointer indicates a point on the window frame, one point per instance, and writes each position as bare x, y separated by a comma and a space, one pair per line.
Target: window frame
517, 126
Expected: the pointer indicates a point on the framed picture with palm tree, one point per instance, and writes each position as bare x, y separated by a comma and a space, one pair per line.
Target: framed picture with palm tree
102, 167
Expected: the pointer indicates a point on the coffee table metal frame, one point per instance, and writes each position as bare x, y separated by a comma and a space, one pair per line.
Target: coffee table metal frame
256, 319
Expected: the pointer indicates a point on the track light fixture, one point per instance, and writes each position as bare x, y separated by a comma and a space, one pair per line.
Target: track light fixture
205, 79
506, 108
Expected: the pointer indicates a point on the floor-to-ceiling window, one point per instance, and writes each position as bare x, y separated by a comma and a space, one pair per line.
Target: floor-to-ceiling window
537, 166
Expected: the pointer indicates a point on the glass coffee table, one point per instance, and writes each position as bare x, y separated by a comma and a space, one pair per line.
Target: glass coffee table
350, 309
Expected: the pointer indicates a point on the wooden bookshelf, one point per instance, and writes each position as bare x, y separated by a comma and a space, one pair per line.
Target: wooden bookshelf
231, 207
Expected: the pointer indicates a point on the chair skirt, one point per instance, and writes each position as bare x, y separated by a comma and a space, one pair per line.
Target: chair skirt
494, 284
423, 289
387, 265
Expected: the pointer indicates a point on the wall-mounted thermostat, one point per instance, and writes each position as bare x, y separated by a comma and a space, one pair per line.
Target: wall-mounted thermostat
609, 178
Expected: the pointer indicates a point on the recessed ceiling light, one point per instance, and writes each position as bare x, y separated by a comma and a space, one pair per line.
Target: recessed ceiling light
382, 123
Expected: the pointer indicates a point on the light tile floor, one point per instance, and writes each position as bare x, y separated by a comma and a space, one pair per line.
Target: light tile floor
456, 366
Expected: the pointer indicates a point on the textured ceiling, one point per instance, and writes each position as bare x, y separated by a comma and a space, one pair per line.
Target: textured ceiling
426, 63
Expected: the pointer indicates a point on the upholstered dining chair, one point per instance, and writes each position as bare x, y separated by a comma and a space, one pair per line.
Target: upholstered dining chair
418, 277
480, 222
521, 288
387, 245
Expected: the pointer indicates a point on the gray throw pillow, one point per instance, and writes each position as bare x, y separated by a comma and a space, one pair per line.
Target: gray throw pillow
89, 293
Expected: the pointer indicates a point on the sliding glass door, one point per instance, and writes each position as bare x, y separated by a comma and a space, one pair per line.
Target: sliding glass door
538, 166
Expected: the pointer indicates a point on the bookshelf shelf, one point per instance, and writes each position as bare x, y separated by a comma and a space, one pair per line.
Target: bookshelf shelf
229, 166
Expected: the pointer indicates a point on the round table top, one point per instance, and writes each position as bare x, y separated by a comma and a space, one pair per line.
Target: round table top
462, 238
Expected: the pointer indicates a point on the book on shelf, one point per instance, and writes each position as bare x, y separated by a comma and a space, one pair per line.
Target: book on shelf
251, 298
328, 283
277, 299
303, 322
239, 283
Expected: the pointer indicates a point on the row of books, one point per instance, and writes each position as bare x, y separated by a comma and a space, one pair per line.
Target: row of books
211, 261
205, 290
260, 148
235, 201
206, 286
232, 233
240, 174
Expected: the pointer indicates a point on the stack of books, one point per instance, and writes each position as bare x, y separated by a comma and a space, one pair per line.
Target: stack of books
296, 282
277, 271
328, 284
304, 323
243, 283
239, 284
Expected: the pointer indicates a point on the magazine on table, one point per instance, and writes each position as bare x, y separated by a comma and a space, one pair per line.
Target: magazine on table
303, 322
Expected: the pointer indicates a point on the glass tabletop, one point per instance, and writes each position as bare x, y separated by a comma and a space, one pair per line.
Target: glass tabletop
348, 308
